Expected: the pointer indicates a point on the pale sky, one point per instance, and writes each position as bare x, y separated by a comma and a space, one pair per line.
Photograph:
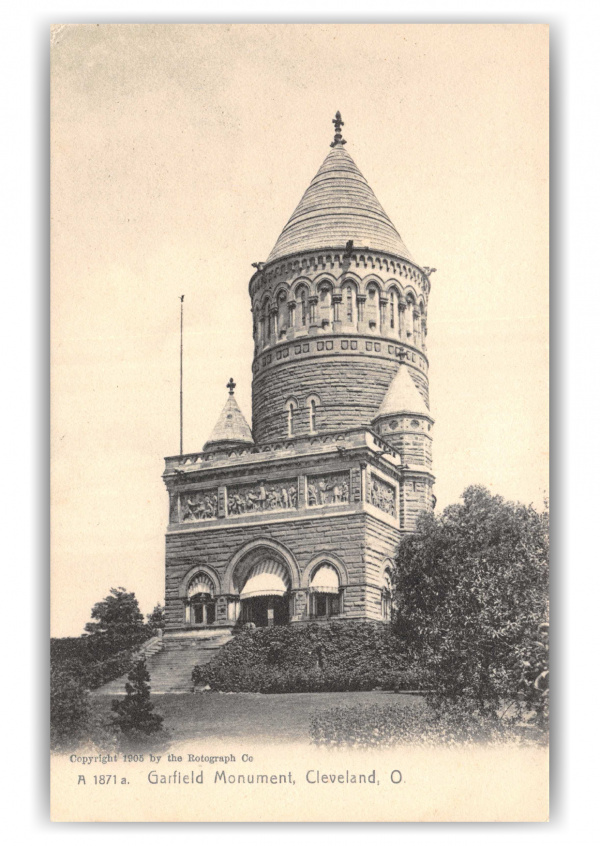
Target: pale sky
178, 155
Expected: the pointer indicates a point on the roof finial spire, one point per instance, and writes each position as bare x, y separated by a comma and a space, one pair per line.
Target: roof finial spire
231, 386
338, 123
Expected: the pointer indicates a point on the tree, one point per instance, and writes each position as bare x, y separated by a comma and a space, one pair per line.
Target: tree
156, 620
120, 623
134, 715
471, 599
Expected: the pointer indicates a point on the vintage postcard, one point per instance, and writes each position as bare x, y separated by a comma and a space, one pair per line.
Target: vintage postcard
299, 422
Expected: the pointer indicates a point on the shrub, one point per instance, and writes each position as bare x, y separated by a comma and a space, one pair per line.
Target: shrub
418, 724
337, 656
90, 663
134, 715
69, 709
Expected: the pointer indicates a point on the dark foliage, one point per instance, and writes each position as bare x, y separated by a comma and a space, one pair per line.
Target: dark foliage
156, 620
134, 715
108, 649
318, 657
69, 709
472, 604
78, 657
119, 624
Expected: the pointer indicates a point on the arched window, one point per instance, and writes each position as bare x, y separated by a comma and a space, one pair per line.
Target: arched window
325, 593
386, 596
301, 305
313, 403
282, 313
325, 305
291, 406
349, 303
373, 307
200, 606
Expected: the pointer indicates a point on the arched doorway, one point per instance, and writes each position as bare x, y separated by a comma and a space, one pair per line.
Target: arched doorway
265, 594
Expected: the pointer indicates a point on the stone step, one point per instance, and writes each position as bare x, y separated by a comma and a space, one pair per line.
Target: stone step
170, 666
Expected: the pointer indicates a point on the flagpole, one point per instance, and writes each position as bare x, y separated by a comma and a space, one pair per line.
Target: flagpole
181, 376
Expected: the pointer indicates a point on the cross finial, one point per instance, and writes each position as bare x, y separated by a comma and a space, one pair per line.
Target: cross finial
231, 386
338, 123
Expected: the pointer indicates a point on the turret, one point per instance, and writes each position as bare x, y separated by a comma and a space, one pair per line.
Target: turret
231, 429
338, 303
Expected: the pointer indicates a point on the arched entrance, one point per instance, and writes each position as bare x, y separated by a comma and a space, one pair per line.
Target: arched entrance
265, 593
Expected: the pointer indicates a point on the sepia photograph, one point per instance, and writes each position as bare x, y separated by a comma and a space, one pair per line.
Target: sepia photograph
299, 422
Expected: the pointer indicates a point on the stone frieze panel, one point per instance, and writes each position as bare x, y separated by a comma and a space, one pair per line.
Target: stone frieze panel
262, 496
382, 495
198, 505
328, 489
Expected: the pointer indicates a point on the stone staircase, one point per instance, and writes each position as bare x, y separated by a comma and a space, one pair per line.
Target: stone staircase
171, 659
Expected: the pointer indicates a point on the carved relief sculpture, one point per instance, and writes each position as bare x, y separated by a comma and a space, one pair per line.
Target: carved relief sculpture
328, 489
199, 505
383, 496
262, 496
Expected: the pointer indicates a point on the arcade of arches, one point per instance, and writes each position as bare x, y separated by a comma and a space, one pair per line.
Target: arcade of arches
263, 594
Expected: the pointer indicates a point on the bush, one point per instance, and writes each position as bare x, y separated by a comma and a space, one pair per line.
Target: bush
86, 660
419, 724
134, 715
69, 709
337, 656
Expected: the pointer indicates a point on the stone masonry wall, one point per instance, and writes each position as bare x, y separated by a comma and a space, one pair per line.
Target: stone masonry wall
349, 391
344, 536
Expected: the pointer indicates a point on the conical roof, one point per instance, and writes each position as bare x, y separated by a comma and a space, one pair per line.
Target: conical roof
403, 397
339, 206
231, 428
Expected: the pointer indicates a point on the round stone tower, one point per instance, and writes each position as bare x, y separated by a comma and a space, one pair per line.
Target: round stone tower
337, 306
299, 518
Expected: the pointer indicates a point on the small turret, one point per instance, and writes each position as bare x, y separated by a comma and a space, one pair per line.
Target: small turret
404, 420
231, 429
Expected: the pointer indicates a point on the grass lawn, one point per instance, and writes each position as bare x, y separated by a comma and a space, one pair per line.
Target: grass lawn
277, 717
